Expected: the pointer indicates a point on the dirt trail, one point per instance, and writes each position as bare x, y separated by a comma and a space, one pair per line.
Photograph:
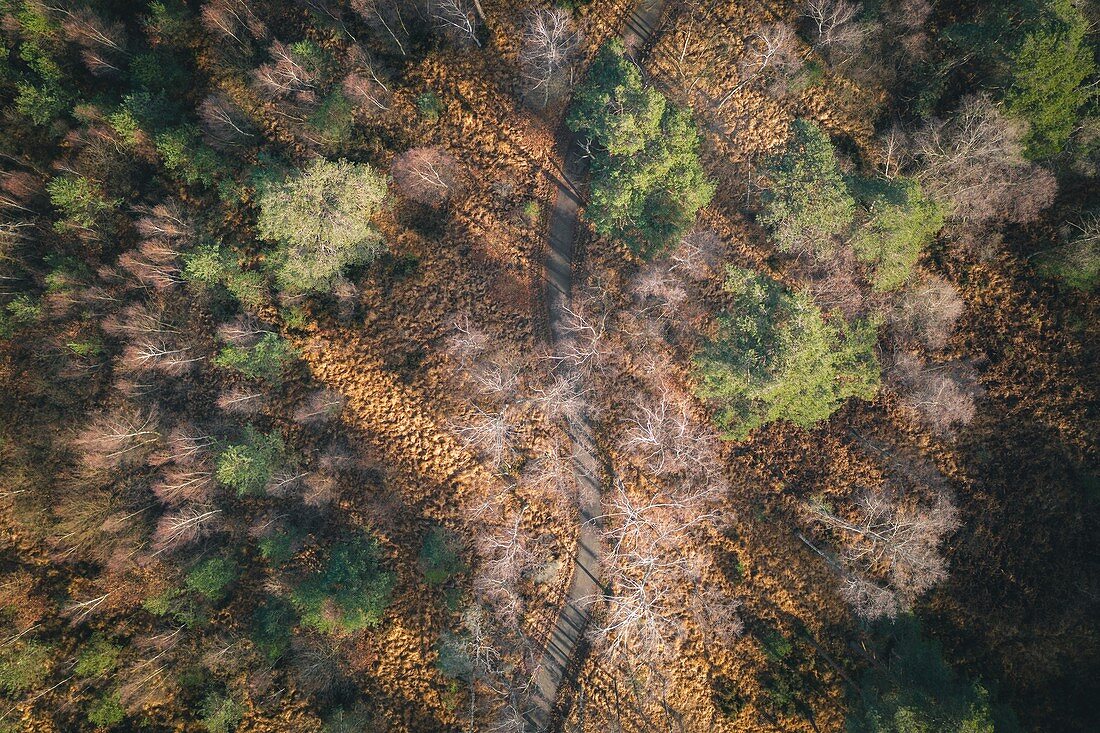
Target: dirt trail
564, 643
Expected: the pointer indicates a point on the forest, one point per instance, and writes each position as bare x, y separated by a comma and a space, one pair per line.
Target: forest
529, 366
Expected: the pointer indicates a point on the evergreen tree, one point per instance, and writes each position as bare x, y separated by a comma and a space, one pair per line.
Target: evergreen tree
807, 204
647, 184
902, 222
349, 592
777, 357
248, 466
321, 220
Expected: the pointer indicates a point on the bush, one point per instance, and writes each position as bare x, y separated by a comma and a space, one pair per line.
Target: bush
320, 218
267, 360
902, 223
777, 357
248, 466
212, 577
807, 204
107, 711
439, 559
647, 184
430, 106
349, 593
98, 657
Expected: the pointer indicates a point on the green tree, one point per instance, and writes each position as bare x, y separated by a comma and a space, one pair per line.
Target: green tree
349, 592
212, 577
647, 184
221, 713
97, 657
1047, 69
775, 356
321, 220
272, 626
107, 711
807, 204
912, 690
24, 665
902, 222
184, 154
212, 265
267, 360
439, 557
248, 466
80, 201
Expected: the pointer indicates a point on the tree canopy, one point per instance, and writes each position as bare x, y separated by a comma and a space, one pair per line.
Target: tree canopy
647, 183
776, 356
321, 219
349, 592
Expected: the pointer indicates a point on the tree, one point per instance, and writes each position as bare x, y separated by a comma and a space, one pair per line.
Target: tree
775, 356
248, 467
1075, 262
974, 164
942, 395
807, 205
321, 219
549, 44
834, 24
927, 310
889, 547
426, 175
902, 223
212, 577
647, 183
910, 688
266, 360
349, 592
439, 557
1047, 69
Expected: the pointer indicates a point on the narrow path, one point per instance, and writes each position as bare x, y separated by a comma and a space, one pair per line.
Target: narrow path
565, 639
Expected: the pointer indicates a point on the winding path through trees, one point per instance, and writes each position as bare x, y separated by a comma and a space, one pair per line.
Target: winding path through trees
566, 637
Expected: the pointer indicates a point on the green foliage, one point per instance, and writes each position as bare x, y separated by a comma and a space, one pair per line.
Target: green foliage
903, 221
777, 357
184, 153
159, 71
439, 558
807, 203
430, 106
454, 656
321, 219
334, 119
211, 265
168, 19
1047, 70
106, 711
221, 713
350, 592
212, 578
97, 657
267, 360
647, 183
20, 311
912, 690
277, 548
24, 665
272, 627
41, 103
80, 201
248, 466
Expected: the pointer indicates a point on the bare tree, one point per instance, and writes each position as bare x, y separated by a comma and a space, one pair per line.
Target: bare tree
772, 51
490, 433
466, 342
660, 431
224, 124
159, 353
698, 255
943, 395
426, 175
365, 84
232, 19
155, 263
285, 76
184, 526
835, 24
927, 311
125, 435
320, 406
456, 19
889, 548
178, 485
548, 47
241, 400
974, 162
